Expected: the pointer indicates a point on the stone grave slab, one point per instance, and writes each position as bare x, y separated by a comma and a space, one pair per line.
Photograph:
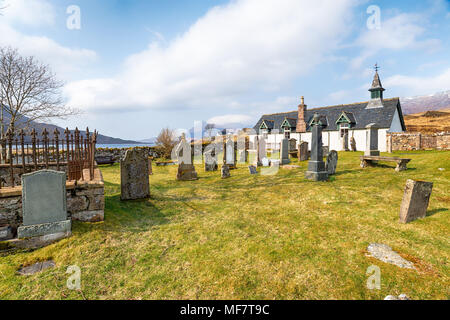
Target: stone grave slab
332, 160
415, 200
44, 204
134, 170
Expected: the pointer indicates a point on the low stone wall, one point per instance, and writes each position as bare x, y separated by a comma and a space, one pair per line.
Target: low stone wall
418, 141
119, 153
5, 173
85, 201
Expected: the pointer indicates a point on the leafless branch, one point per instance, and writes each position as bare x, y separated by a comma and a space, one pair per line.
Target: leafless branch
29, 91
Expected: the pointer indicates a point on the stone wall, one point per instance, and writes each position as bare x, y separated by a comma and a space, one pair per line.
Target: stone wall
119, 153
5, 173
85, 202
418, 141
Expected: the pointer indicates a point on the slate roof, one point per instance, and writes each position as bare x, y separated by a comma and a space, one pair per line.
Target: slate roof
361, 116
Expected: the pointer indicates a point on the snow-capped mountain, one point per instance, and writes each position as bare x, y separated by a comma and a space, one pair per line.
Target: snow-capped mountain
437, 101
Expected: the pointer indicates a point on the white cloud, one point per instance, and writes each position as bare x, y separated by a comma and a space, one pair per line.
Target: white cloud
403, 31
420, 85
244, 47
231, 120
28, 12
64, 61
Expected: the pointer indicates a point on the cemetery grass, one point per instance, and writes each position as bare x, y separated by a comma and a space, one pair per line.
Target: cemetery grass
252, 237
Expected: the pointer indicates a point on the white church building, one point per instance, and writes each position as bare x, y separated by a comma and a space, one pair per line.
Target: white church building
344, 122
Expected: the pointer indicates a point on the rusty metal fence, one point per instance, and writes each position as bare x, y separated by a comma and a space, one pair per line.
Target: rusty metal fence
28, 152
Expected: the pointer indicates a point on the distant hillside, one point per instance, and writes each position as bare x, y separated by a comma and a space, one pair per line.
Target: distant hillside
437, 101
429, 121
39, 127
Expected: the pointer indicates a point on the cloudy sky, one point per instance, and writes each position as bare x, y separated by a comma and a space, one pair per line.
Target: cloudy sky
135, 66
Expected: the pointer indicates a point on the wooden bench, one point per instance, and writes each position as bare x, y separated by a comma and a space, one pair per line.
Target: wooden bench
104, 160
369, 161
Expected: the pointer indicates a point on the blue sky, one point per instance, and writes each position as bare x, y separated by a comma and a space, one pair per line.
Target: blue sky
136, 66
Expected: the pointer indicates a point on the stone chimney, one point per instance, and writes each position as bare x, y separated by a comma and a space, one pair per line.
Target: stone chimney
301, 121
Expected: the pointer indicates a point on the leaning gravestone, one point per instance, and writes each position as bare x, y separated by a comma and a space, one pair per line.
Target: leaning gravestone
134, 175
331, 164
225, 171
252, 170
303, 154
415, 200
44, 205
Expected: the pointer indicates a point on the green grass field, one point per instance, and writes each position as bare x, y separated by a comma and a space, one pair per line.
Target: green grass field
252, 237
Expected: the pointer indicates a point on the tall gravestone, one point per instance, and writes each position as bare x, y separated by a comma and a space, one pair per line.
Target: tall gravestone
284, 153
316, 166
415, 200
44, 204
372, 140
186, 169
332, 160
345, 142
134, 171
353, 144
230, 154
303, 153
260, 150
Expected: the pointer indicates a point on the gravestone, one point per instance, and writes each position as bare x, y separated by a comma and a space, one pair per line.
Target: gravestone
331, 164
284, 153
210, 159
260, 151
183, 151
230, 154
225, 171
325, 150
252, 170
345, 142
150, 168
134, 182
415, 200
372, 140
353, 144
186, 172
44, 204
303, 153
292, 145
316, 166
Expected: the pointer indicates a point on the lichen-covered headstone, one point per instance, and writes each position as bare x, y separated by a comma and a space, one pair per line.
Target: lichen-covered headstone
186, 172
225, 171
415, 200
44, 204
134, 170
332, 160
303, 153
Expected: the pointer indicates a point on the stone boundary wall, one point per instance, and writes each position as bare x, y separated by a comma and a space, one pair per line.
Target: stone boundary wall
85, 202
119, 153
5, 173
418, 141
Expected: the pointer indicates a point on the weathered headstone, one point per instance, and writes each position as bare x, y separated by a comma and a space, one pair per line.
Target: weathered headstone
303, 153
252, 170
260, 150
353, 144
210, 159
284, 153
316, 166
225, 171
292, 145
183, 151
345, 142
331, 164
230, 154
44, 204
415, 200
134, 170
372, 140
186, 172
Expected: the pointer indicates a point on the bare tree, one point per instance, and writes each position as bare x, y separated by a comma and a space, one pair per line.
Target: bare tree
166, 141
29, 91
